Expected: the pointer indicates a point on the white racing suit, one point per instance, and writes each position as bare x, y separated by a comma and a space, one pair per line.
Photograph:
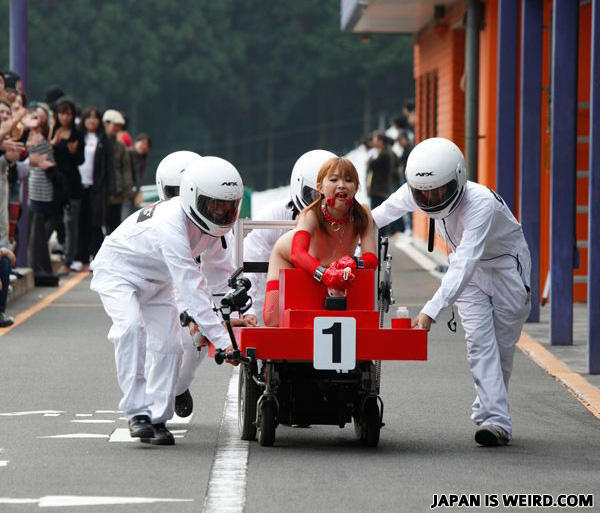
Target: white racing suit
216, 264
488, 278
258, 245
136, 272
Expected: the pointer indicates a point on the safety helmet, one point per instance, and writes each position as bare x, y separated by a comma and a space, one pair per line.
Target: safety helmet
303, 183
436, 175
211, 192
168, 173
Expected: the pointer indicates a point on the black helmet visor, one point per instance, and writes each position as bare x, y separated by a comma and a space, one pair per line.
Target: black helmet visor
434, 200
217, 211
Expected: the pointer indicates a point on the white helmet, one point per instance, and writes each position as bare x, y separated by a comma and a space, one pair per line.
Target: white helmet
211, 193
436, 174
168, 173
303, 183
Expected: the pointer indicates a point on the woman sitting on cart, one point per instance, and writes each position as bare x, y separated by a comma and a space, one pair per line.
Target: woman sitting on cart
327, 234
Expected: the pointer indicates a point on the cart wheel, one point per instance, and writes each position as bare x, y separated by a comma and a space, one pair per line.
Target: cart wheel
247, 399
371, 423
266, 432
368, 426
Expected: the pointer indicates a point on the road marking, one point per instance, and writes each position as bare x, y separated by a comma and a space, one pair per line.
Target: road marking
586, 393
231, 460
109, 411
419, 258
76, 435
57, 501
4, 463
77, 305
83, 415
122, 435
180, 420
94, 421
38, 412
51, 414
45, 302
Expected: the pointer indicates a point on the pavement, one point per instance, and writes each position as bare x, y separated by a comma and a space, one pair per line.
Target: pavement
569, 359
63, 442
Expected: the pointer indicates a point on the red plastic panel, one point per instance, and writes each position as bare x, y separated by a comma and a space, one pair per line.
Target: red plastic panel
299, 291
305, 318
297, 343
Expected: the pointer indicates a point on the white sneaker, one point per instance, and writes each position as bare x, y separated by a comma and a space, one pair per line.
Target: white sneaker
491, 435
76, 266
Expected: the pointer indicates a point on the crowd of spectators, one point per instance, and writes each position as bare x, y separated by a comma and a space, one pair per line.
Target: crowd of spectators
387, 155
75, 173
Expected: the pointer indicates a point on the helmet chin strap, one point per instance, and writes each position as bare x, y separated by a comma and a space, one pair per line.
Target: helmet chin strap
431, 234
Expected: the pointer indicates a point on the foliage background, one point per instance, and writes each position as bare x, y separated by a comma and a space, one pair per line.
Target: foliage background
255, 81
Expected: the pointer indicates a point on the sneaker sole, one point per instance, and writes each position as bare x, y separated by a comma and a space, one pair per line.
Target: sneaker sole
142, 433
488, 439
158, 441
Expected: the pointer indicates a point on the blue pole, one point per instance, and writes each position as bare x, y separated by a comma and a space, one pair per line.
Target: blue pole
19, 50
563, 169
530, 132
594, 200
507, 101
19, 40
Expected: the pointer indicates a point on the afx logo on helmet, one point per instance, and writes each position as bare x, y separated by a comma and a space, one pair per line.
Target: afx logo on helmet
437, 192
211, 193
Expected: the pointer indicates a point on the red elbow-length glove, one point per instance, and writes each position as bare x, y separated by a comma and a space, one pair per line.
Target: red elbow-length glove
335, 276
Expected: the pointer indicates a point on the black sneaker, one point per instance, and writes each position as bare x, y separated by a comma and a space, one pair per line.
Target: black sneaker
184, 404
140, 426
162, 436
491, 435
6, 321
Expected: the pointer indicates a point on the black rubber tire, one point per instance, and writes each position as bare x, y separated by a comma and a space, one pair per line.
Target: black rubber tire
266, 431
247, 398
371, 423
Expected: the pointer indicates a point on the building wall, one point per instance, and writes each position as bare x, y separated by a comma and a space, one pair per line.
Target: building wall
442, 49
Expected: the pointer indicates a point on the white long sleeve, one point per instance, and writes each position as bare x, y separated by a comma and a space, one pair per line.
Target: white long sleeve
397, 205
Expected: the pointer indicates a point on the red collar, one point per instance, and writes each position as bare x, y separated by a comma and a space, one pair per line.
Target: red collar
335, 220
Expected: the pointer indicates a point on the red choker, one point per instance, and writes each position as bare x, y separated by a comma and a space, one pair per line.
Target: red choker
335, 220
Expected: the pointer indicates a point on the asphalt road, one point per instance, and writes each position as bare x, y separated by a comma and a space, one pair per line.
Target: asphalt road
59, 364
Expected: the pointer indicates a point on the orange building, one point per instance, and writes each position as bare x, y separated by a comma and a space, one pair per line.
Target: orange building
562, 36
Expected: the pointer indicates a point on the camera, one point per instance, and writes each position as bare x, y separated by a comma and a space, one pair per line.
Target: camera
237, 299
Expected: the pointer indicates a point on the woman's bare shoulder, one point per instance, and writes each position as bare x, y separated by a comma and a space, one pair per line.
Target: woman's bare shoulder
307, 220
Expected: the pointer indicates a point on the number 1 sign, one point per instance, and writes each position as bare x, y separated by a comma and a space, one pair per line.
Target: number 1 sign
334, 343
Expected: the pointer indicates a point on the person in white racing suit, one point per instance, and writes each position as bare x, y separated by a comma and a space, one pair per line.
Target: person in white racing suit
139, 267
488, 277
219, 263
259, 243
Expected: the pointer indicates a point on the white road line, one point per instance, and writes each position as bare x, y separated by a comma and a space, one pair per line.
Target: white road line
38, 412
56, 501
84, 415
52, 414
419, 258
121, 435
4, 463
227, 483
94, 421
180, 420
109, 411
77, 435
